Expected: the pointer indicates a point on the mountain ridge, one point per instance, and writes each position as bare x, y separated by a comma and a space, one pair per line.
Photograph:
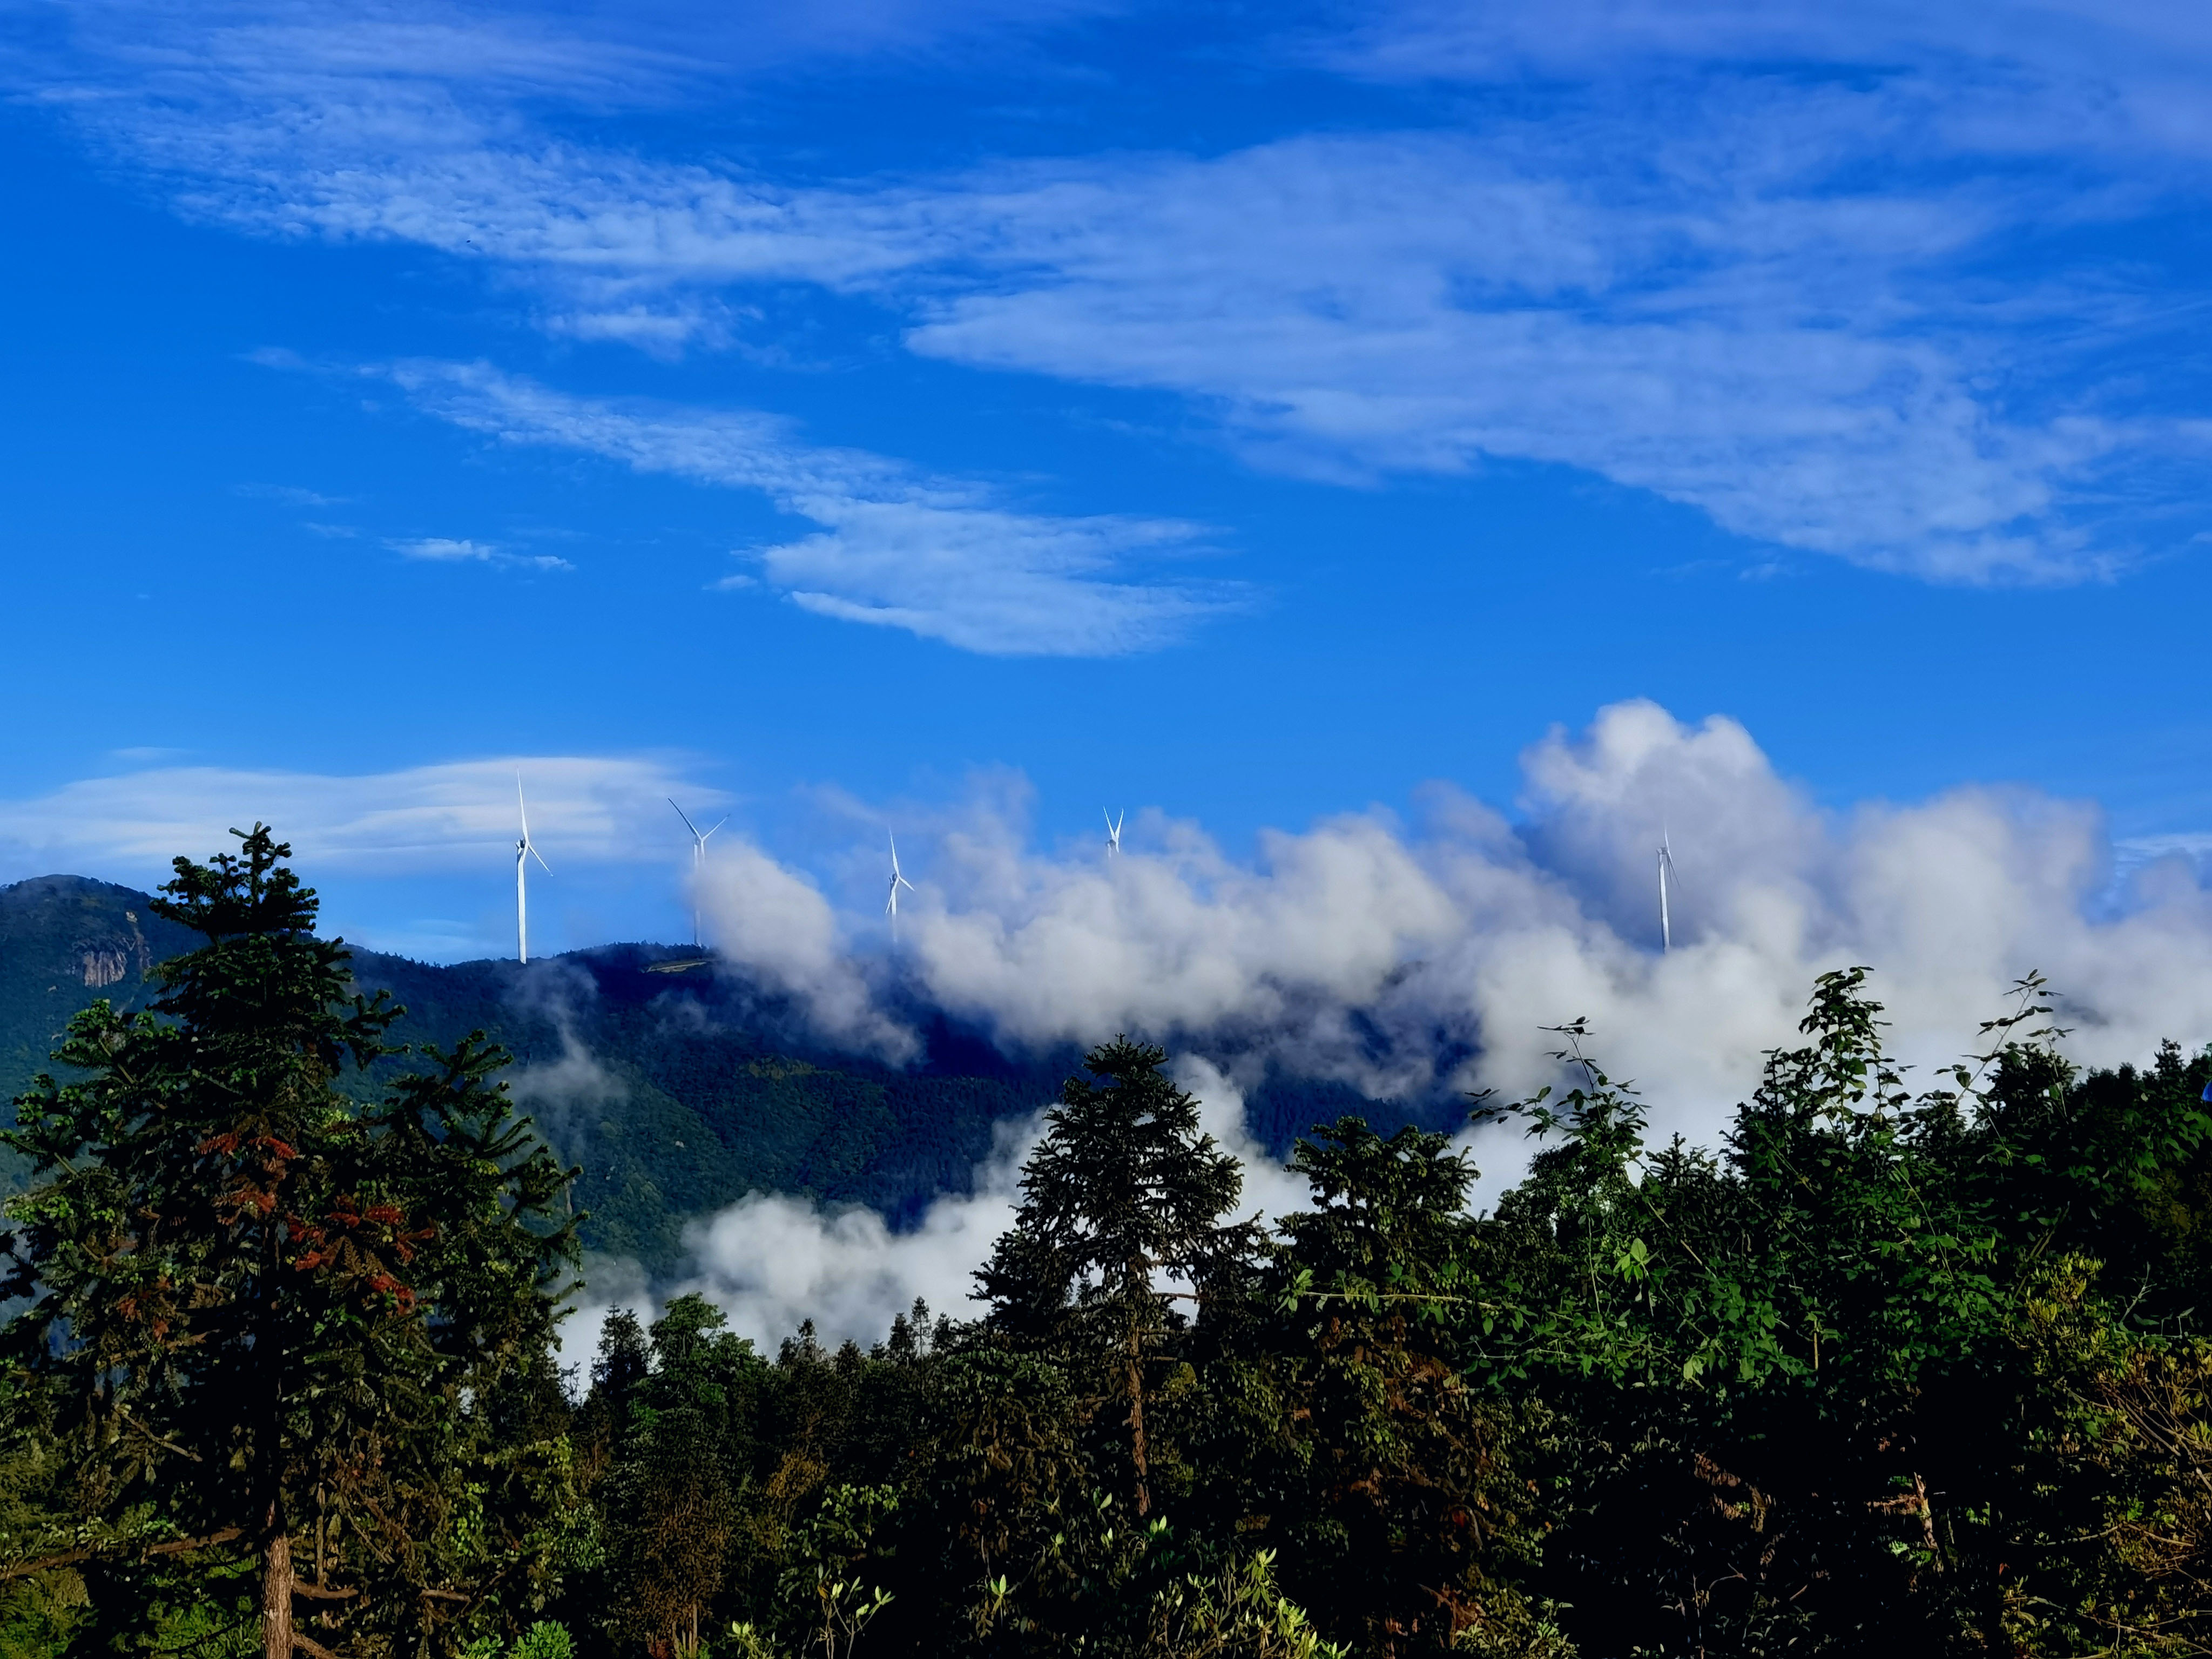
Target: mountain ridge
677, 1093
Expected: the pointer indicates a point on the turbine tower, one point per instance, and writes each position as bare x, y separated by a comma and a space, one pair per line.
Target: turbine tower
1113, 833
1666, 878
524, 852
891, 900
698, 861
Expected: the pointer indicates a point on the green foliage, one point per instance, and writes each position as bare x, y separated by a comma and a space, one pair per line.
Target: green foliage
272, 1336
746, 1641
1235, 1613
1884, 1371
1801, 1393
1407, 1499
1122, 1189
828, 1560
543, 1640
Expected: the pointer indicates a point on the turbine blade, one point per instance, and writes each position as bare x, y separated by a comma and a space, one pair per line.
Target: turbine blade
521, 810
540, 857
718, 823
681, 813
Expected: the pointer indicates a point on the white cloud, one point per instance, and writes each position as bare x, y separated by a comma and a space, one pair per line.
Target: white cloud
1760, 341
422, 819
446, 550
937, 558
1820, 309
1362, 950
778, 924
1365, 951
2025, 76
771, 1261
288, 495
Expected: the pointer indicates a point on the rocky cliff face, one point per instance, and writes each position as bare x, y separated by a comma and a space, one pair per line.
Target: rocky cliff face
65, 940
114, 957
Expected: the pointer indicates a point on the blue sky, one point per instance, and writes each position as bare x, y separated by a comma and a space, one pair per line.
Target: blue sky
828, 413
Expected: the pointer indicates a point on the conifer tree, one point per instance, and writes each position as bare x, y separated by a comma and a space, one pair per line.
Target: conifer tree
272, 1330
1123, 1190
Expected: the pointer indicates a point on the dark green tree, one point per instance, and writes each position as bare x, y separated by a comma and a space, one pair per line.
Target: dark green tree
672, 1495
1123, 1191
1850, 1386
276, 1335
1408, 1486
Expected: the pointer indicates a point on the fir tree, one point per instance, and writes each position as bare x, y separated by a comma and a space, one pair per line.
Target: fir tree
1123, 1191
275, 1333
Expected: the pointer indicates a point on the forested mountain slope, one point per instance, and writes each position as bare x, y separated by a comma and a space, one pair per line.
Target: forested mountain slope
676, 1092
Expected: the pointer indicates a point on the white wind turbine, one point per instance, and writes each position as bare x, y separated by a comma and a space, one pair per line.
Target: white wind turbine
891, 900
1666, 879
698, 861
524, 852
1113, 833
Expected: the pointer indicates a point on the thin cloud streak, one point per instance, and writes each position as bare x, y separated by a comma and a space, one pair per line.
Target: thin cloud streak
422, 819
1768, 299
2118, 78
1776, 355
448, 549
937, 557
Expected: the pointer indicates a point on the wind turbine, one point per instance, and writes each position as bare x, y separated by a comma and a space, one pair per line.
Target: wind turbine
524, 852
698, 861
1666, 877
891, 900
1113, 833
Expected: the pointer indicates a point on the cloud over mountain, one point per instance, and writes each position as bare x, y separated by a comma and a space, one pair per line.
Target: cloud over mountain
1363, 950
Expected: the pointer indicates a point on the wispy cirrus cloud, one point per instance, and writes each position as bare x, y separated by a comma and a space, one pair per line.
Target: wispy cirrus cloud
1818, 307
2111, 77
942, 558
1763, 345
448, 549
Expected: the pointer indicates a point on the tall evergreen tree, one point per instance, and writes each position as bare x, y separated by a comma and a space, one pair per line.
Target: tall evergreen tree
271, 1330
1123, 1190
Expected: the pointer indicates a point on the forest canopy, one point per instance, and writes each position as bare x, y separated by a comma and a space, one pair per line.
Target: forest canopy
1885, 1369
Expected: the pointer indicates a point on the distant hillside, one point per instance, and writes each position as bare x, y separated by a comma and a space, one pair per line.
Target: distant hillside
676, 1092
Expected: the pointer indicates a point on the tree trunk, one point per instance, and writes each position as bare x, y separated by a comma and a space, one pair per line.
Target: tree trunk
1137, 1421
277, 1596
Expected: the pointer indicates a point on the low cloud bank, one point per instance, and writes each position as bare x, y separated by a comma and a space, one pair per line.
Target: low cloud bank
1408, 959
1363, 950
771, 1261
